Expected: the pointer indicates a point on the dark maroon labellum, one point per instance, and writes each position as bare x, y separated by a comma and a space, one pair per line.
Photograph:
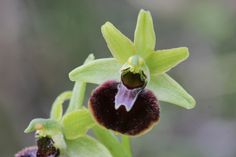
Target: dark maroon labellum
143, 115
46, 148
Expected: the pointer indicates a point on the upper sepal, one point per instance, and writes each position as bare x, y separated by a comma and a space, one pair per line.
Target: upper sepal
120, 46
144, 36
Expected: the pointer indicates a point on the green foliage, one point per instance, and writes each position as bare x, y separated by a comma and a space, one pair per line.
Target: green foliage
79, 89
107, 138
86, 146
77, 123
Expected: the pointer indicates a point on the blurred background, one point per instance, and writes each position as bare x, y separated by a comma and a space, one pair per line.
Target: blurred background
41, 41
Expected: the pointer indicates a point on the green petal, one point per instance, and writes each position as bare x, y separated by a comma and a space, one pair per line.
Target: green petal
97, 71
163, 60
120, 46
168, 90
77, 123
86, 147
144, 36
57, 109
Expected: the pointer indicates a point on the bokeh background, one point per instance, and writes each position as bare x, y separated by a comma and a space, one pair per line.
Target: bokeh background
41, 41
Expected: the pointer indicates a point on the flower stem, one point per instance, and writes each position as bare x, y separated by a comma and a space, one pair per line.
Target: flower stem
125, 140
77, 97
78, 93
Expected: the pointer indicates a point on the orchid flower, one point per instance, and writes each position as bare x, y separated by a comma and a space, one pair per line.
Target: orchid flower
135, 75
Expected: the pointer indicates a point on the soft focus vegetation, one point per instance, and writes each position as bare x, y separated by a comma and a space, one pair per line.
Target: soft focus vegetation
42, 41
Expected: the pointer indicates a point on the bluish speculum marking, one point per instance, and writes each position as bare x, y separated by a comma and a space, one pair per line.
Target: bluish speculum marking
126, 97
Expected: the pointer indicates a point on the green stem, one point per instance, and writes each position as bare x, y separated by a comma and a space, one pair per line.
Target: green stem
110, 141
77, 98
125, 141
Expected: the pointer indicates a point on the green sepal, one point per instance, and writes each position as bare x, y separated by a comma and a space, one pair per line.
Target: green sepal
86, 146
112, 143
97, 71
120, 46
44, 125
77, 123
57, 107
144, 36
47, 127
168, 90
163, 60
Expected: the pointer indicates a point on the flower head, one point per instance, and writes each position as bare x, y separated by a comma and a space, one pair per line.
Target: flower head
138, 72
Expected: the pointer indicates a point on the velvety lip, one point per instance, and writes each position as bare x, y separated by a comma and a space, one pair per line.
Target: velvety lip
143, 115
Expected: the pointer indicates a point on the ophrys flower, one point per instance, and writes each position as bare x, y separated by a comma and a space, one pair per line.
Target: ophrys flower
136, 67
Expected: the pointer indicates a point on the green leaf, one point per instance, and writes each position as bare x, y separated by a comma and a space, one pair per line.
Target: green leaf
77, 123
144, 36
168, 90
57, 109
111, 142
120, 46
97, 71
163, 60
86, 146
